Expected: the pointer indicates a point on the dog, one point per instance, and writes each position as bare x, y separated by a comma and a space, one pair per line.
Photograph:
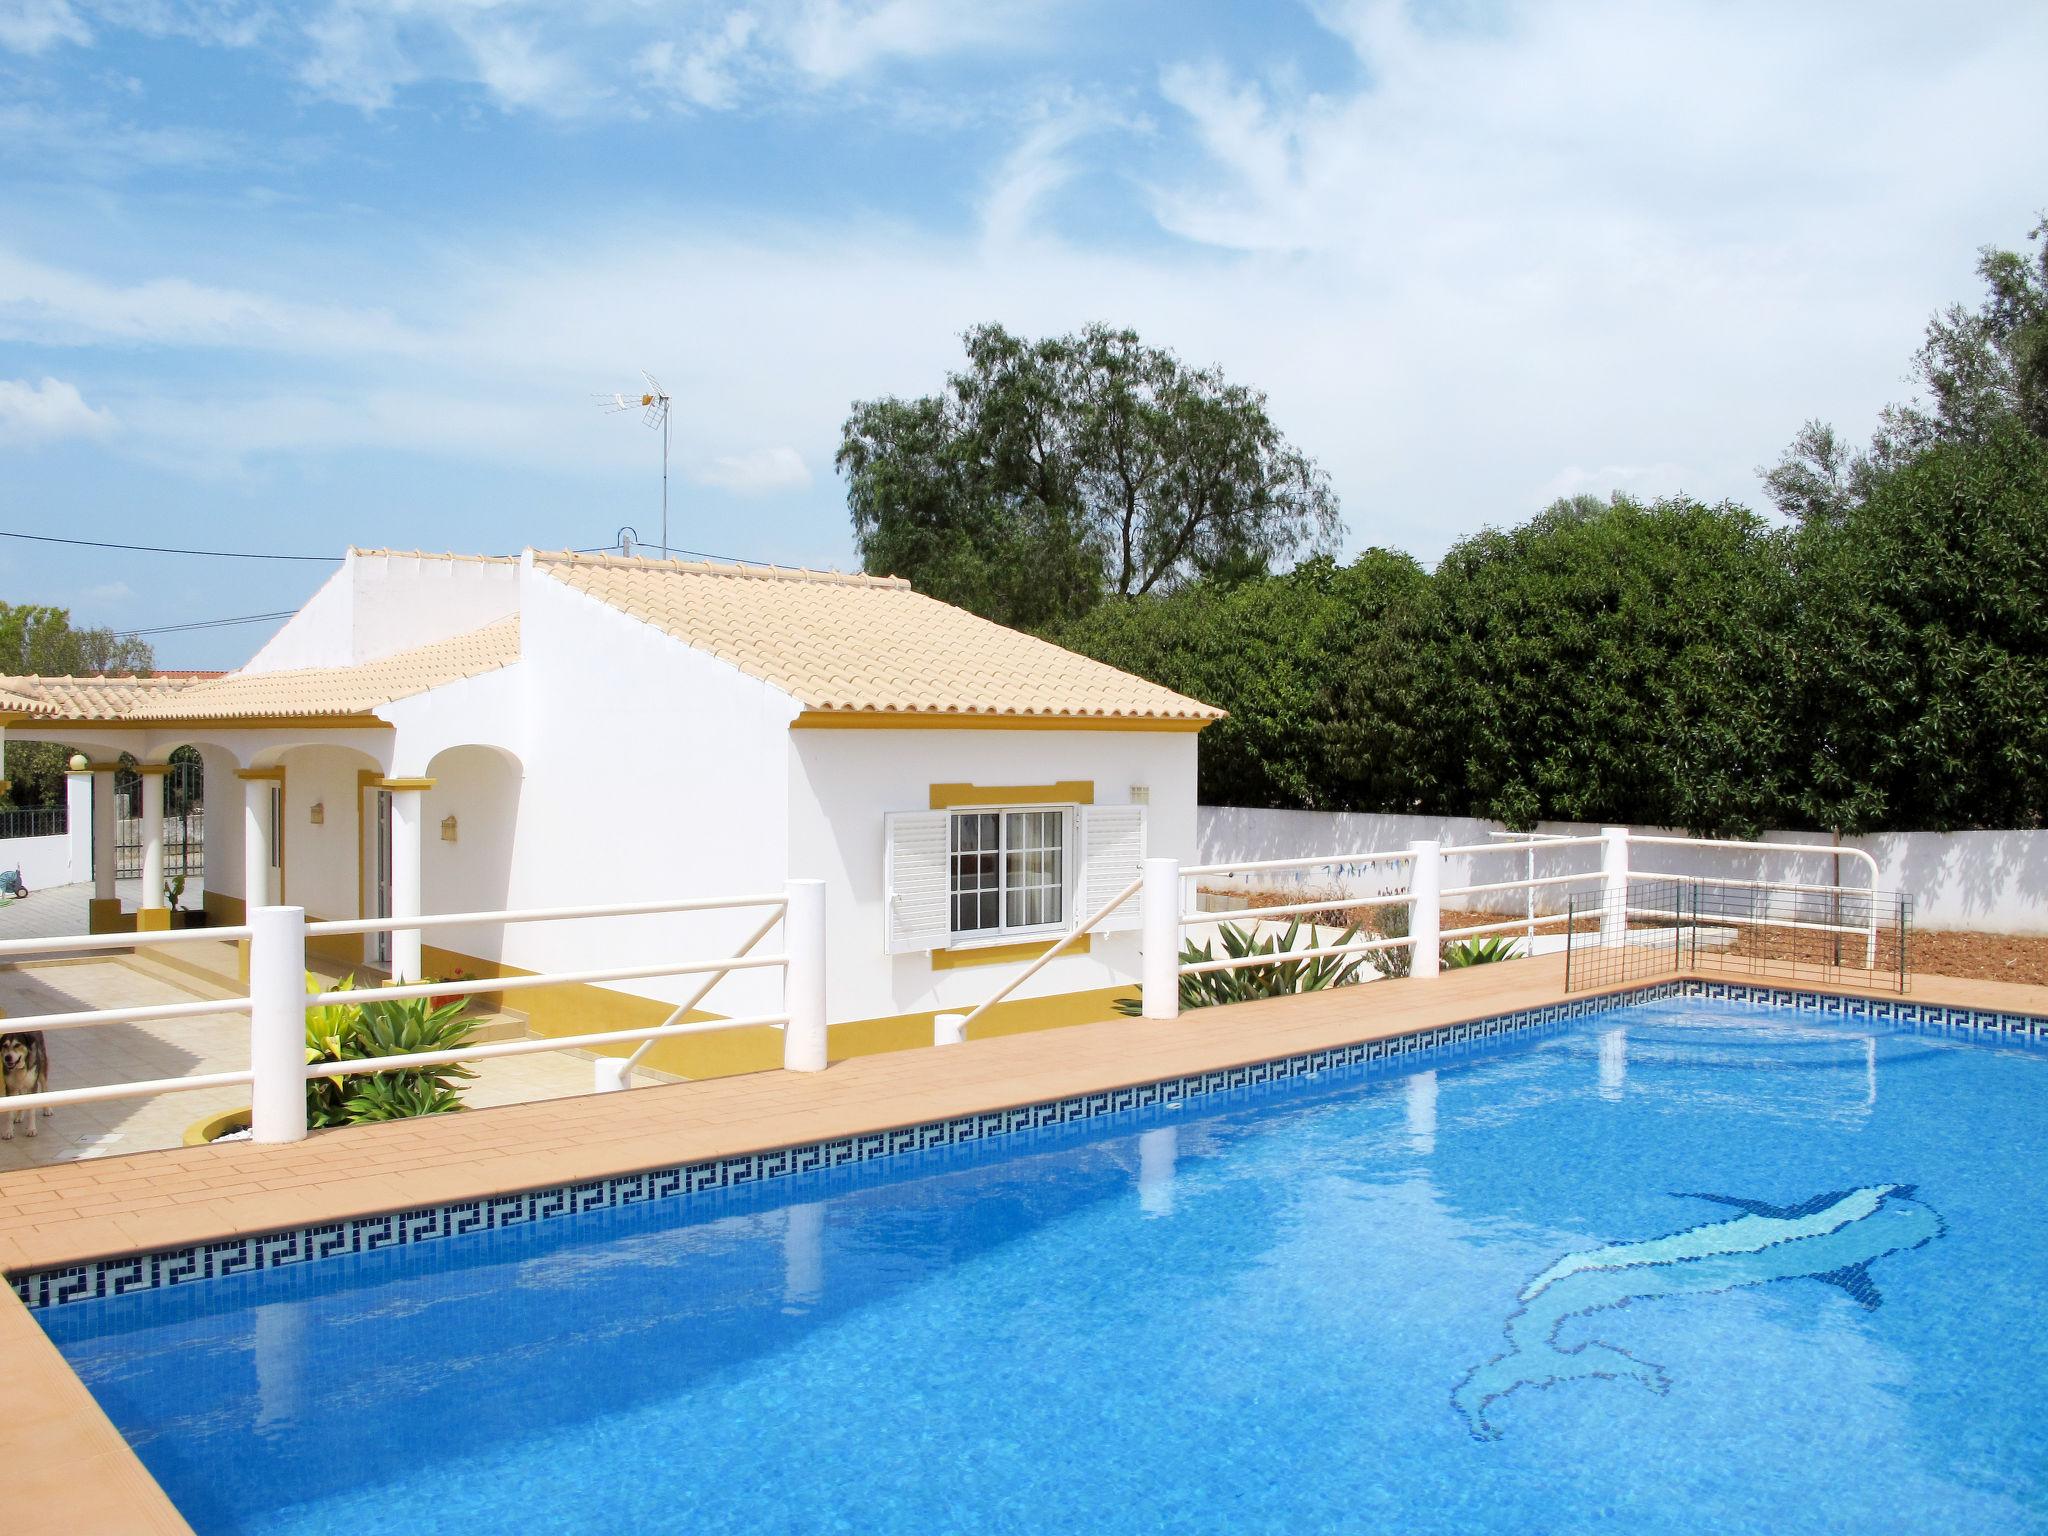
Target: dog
24, 1068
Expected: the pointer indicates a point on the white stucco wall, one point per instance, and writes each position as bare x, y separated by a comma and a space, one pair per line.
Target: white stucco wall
43, 861
318, 635
1992, 882
482, 789
843, 782
321, 861
651, 771
378, 604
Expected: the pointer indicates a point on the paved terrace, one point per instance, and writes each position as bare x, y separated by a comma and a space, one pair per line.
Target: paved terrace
71, 1465
200, 970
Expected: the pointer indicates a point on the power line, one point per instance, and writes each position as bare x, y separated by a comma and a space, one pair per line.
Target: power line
160, 549
245, 554
179, 629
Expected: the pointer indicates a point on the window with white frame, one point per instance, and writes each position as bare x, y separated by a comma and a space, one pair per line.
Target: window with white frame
1007, 871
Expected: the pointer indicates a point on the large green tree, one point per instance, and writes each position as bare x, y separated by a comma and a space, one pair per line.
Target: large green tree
1977, 372
1049, 474
1920, 662
1316, 667
1612, 661
36, 638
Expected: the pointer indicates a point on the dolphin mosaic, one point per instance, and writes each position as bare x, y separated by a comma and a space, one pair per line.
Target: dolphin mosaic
1833, 1238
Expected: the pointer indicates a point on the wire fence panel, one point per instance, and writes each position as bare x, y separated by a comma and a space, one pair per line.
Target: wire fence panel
35, 821
1739, 928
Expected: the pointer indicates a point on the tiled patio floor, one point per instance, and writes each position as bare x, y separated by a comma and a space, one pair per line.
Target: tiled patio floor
110, 1053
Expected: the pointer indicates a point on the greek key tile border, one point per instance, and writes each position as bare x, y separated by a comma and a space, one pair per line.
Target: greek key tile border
1922, 1018
368, 1234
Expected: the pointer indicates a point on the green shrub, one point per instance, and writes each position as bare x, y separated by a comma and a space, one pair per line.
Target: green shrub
1282, 978
358, 1031
1392, 923
1460, 953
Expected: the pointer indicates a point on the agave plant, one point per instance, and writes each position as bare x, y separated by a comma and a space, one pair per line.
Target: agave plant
399, 1096
1460, 953
1278, 978
357, 1031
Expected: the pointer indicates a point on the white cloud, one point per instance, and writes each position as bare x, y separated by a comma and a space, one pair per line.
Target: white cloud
708, 74
758, 472
53, 306
35, 26
562, 58
1593, 247
107, 593
836, 39
42, 413
1040, 164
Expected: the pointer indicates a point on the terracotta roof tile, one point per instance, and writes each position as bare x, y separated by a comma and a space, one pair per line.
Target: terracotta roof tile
864, 643
356, 690
85, 698
308, 692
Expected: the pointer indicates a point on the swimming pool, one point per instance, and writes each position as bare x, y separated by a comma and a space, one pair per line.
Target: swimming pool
1686, 1266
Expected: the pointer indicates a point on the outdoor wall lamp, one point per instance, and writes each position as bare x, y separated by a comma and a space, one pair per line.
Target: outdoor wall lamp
319, 813
447, 829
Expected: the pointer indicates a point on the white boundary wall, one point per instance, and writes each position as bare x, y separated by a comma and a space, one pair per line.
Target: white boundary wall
43, 861
1989, 882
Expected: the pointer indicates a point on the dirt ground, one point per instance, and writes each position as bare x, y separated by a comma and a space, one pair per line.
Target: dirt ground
1933, 951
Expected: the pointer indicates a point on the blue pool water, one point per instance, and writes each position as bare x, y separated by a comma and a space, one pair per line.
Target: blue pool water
1333, 1308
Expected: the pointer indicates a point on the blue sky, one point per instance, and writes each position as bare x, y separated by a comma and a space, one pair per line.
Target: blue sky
353, 271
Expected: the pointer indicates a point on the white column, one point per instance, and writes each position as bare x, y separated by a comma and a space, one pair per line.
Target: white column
152, 848
256, 831
1613, 886
804, 1039
103, 832
1160, 936
408, 811
1422, 1094
78, 819
1158, 1158
1425, 908
1613, 1063
277, 1023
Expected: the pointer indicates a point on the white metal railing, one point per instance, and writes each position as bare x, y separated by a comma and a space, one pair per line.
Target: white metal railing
278, 1000
1165, 920
88, 1018
951, 1028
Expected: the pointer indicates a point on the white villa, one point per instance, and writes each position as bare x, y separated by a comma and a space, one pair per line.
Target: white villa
446, 734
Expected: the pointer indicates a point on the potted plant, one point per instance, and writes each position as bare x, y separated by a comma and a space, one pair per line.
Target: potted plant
451, 999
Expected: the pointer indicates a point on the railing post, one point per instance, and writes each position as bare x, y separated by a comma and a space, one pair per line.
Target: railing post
277, 1023
1425, 907
1613, 886
1160, 937
803, 985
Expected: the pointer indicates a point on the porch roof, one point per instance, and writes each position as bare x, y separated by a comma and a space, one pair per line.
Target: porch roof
305, 693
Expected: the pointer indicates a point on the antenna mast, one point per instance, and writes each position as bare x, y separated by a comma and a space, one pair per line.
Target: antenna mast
653, 404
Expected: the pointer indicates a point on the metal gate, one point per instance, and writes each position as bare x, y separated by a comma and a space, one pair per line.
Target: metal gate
184, 822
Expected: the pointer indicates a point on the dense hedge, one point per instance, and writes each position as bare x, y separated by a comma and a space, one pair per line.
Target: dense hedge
1667, 662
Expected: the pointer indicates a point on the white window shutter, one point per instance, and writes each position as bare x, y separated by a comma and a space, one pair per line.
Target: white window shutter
1112, 856
916, 881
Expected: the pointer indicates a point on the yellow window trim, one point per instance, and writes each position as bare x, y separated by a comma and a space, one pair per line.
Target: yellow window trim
276, 774
944, 797
1004, 954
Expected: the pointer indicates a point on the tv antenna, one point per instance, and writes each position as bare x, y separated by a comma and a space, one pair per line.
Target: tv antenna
653, 405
